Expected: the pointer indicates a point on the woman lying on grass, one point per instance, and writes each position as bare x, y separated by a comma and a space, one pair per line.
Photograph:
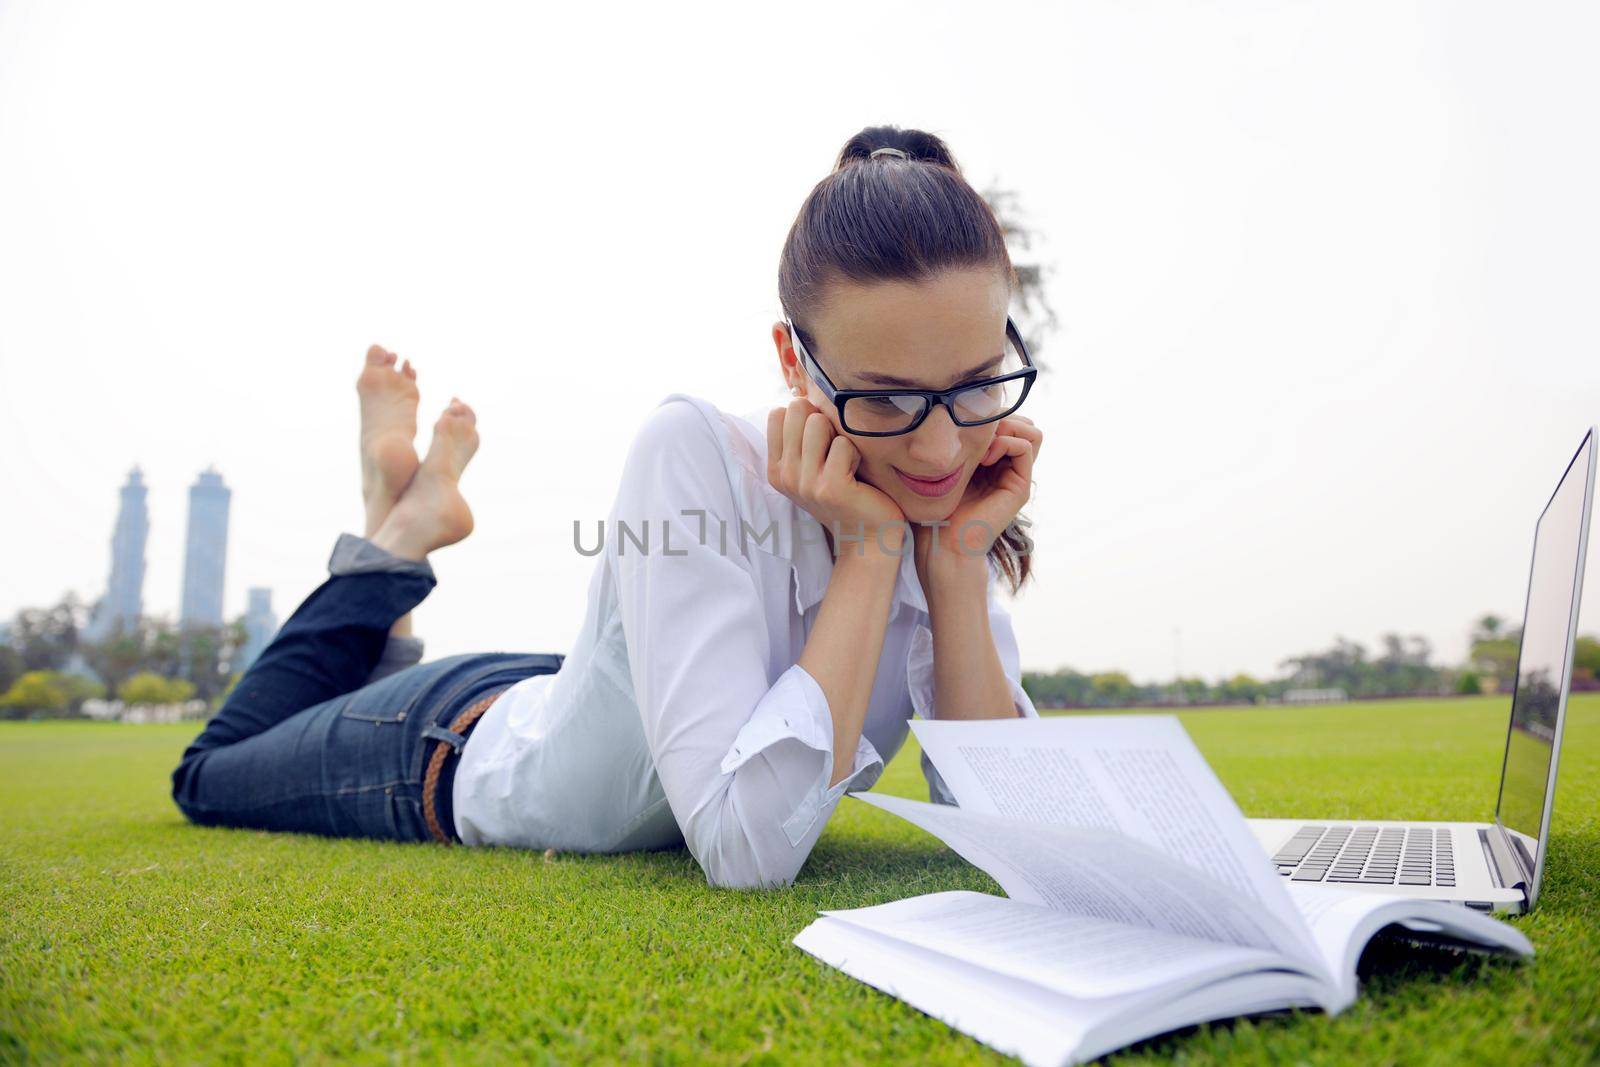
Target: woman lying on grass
807, 589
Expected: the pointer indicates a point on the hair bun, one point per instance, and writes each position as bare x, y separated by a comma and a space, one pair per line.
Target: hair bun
892, 143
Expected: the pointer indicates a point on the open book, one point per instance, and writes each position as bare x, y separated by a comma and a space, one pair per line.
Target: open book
1138, 900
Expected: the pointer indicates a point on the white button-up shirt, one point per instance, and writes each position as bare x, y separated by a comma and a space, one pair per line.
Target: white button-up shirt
681, 715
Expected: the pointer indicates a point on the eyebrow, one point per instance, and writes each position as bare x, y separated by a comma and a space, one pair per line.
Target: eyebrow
874, 378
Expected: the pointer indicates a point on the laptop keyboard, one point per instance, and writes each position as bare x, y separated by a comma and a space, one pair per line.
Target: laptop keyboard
1367, 855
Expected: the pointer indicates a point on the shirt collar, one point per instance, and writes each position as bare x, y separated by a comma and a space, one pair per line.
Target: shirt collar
798, 534
812, 563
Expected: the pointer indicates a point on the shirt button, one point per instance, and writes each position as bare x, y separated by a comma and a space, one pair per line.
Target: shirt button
402, 715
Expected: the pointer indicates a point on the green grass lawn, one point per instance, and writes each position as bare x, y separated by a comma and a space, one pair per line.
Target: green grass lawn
130, 934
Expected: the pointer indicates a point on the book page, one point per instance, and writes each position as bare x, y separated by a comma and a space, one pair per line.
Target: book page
1136, 775
1021, 1019
1040, 1028
1067, 953
1342, 921
1103, 875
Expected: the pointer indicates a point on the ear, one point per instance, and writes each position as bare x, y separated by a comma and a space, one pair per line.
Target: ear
788, 360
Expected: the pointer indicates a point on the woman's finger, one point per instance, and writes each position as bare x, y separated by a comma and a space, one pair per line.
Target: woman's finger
1012, 471
997, 449
839, 464
1023, 427
794, 426
774, 444
817, 432
1021, 453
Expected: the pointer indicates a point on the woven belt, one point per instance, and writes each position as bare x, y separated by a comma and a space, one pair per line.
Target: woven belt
443, 751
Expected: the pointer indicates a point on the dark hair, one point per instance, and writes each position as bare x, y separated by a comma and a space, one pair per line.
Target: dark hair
891, 219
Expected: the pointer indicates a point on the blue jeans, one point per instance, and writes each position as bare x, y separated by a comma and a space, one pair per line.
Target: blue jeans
307, 741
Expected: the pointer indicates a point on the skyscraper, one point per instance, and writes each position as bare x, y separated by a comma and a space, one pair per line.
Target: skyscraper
260, 624
206, 552
124, 599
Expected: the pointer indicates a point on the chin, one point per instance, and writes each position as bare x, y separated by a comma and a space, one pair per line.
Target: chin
931, 509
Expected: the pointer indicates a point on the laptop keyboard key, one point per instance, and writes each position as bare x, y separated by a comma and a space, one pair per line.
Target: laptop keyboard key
1410, 856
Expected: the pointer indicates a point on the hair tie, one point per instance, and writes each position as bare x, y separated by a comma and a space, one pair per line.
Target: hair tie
876, 152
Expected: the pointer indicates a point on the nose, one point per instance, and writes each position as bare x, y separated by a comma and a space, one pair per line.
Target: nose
936, 444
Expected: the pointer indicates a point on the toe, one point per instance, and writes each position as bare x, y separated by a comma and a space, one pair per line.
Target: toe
408, 370
377, 356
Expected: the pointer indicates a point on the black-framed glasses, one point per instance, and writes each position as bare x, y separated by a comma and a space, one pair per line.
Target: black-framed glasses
889, 412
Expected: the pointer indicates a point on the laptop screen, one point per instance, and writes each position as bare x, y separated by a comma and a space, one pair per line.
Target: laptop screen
1542, 664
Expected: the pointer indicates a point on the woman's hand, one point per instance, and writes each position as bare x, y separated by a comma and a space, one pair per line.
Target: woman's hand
814, 465
994, 495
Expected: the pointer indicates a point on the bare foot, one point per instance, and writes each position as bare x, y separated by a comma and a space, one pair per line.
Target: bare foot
388, 427
431, 512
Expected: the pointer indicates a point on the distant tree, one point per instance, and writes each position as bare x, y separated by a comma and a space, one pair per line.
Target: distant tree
80, 689
1189, 691
1497, 658
1403, 668
11, 667
47, 637
1240, 689
1344, 666
1112, 689
120, 653
147, 687
1487, 628
1038, 317
155, 644
164, 648
50, 692
1493, 649
208, 655
1063, 688
37, 691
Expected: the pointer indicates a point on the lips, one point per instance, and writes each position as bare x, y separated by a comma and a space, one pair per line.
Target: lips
938, 486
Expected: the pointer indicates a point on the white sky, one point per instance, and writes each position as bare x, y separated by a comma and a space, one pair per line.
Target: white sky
1326, 276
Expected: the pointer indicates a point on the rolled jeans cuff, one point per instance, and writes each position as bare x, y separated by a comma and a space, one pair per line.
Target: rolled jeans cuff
357, 555
398, 654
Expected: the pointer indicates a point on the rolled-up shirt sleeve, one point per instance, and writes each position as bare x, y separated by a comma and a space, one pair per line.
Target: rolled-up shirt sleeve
919, 679
744, 762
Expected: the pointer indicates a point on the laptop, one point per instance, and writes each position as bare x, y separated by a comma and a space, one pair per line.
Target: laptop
1488, 866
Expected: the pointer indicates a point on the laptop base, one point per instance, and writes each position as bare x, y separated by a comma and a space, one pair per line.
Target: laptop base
1336, 853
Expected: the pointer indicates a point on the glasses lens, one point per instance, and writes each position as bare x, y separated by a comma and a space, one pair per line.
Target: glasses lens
988, 401
1000, 398
881, 414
